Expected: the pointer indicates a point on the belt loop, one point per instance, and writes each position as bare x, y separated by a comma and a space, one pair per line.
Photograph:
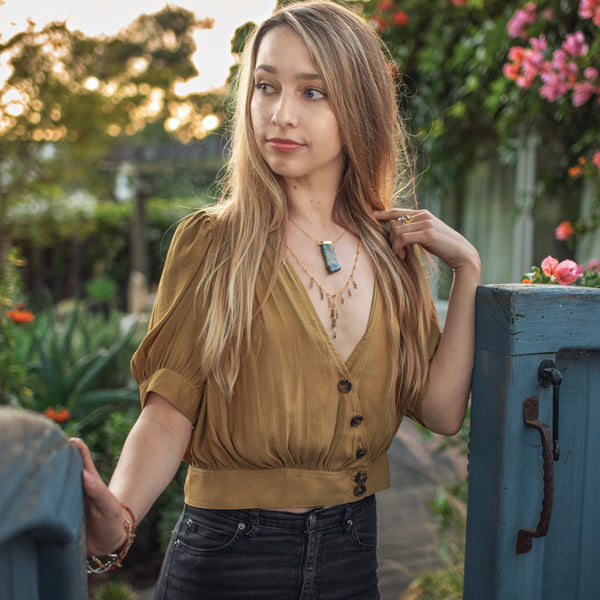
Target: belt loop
254, 523
347, 522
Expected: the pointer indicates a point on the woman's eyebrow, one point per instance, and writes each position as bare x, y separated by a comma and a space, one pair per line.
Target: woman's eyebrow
300, 76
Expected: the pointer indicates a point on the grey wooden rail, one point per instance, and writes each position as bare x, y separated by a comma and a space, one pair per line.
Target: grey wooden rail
42, 553
533, 519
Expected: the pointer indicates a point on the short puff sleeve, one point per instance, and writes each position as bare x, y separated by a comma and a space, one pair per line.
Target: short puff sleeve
433, 335
166, 361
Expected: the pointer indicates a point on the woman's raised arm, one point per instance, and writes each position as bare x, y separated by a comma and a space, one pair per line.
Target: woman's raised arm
445, 402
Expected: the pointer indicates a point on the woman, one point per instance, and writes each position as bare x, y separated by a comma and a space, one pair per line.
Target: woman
293, 329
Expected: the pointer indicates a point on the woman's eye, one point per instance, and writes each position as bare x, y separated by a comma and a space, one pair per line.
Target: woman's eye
265, 88
313, 94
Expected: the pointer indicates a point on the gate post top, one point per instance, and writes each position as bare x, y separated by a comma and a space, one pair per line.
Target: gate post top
514, 319
41, 478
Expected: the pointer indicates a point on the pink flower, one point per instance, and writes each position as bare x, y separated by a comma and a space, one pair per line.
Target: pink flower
539, 44
575, 44
582, 92
593, 264
520, 21
548, 265
566, 272
554, 86
564, 231
590, 9
548, 14
590, 73
596, 160
580, 270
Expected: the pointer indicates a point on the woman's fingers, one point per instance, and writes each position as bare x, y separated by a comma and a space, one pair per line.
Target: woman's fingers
104, 528
409, 226
92, 482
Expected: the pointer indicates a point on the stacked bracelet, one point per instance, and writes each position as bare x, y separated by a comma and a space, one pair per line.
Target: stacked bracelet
114, 560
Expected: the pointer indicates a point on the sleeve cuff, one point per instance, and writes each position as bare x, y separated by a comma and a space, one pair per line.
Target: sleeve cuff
182, 394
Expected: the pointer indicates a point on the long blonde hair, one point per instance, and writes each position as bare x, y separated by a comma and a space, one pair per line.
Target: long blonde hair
362, 91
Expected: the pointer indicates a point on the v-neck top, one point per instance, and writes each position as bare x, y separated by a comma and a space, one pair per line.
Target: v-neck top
303, 427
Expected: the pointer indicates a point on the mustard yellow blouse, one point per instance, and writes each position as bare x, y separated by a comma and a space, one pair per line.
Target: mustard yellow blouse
303, 428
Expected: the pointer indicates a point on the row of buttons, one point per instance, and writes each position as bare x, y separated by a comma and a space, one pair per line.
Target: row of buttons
361, 479
345, 386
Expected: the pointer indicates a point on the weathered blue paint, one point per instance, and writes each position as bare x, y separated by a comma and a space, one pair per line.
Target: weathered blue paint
42, 537
517, 327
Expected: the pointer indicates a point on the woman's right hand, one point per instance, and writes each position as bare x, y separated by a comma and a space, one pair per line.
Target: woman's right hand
104, 528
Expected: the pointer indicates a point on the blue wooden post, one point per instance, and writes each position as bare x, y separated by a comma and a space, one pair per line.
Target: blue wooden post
519, 326
42, 535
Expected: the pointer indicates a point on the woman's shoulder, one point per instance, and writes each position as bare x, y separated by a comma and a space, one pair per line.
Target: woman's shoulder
193, 234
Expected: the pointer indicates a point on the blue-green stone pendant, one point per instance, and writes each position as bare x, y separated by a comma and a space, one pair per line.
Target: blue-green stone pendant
331, 263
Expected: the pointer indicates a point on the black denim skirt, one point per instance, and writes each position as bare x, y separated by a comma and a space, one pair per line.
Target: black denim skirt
323, 554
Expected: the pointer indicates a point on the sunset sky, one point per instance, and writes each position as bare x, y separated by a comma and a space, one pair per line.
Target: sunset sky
212, 59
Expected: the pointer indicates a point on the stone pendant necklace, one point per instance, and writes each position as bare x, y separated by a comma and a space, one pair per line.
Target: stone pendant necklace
327, 249
332, 298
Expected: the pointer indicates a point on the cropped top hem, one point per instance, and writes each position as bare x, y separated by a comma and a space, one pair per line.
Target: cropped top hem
284, 487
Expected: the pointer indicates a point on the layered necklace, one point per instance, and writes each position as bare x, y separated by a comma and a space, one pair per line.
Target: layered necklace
327, 249
332, 298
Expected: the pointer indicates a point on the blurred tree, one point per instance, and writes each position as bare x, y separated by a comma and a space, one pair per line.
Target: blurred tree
68, 100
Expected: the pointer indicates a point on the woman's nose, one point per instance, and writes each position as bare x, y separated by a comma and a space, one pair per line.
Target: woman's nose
285, 111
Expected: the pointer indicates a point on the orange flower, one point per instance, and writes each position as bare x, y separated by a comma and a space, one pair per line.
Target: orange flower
526, 281
378, 23
20, 316
574, 171
564, 231
581, 160
459, 2
512, 71
385, 6
58, 416
401, 18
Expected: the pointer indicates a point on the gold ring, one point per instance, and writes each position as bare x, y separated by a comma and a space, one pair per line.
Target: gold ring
404, 219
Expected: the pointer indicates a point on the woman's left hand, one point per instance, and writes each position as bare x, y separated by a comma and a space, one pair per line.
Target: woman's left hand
409, 226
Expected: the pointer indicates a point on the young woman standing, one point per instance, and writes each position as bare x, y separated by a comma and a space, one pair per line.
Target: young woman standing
292, 331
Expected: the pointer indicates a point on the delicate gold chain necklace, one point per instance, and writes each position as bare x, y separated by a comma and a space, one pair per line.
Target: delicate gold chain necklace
332, 298
327, 250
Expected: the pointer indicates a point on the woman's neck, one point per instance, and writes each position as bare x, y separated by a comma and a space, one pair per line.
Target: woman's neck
311, 206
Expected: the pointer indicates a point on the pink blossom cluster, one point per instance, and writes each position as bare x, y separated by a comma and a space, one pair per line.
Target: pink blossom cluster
565, 272
521, 20
590, 9
559, 74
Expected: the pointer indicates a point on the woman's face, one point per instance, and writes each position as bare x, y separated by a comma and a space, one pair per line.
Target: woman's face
294, 125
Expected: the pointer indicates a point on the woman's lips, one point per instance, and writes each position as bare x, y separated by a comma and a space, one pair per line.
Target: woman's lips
283, 145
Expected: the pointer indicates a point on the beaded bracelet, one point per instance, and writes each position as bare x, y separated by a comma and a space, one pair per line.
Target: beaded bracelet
114, 560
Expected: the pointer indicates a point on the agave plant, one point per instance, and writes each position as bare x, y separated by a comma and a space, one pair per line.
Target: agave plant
71, 369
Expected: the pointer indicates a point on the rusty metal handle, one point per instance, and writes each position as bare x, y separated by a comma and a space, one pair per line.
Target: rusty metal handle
530, 416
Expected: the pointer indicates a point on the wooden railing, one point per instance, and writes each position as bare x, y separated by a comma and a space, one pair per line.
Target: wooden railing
42, 553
